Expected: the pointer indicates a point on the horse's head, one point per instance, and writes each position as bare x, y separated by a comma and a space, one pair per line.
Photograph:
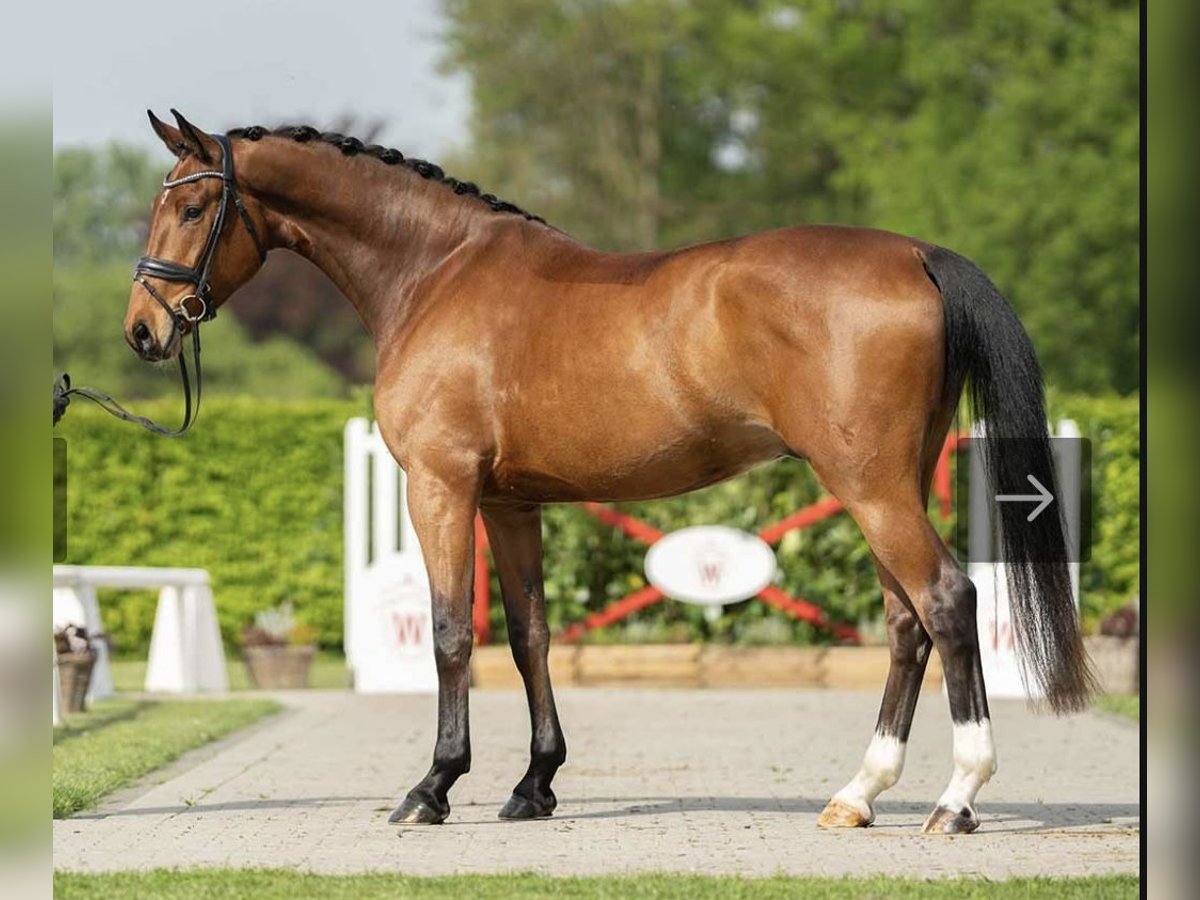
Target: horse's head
205, 242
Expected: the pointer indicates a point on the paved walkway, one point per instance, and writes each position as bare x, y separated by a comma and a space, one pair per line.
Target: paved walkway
689, 781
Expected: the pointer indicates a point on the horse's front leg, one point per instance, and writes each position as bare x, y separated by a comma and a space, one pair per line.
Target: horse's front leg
442, 501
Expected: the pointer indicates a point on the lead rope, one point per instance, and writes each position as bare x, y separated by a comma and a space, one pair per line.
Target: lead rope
63, 393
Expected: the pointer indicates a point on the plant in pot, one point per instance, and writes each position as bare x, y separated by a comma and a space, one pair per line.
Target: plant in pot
277, 649
76, 659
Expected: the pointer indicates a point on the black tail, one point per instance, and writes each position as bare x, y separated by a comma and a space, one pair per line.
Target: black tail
986, 344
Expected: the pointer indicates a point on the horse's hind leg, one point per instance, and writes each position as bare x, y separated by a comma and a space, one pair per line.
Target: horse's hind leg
853, 805
909, 643
943, 598
515, 535
949, 616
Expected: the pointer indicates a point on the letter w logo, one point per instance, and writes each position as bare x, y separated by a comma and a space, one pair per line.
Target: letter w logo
409, 628
710, 572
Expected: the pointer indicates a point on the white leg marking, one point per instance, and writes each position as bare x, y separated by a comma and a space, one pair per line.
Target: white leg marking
881, 768
974, 764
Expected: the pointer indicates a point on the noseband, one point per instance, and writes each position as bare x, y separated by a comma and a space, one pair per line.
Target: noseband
193, 308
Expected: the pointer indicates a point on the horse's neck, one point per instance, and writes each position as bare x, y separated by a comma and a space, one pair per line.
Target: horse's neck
378, 232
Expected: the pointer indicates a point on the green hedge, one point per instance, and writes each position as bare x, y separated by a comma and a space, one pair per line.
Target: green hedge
1110, 579
253, 494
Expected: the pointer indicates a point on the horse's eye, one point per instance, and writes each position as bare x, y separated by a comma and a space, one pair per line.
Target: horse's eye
191, 213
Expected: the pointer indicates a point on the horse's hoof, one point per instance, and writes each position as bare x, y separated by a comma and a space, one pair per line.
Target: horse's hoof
519, 807
950, 821
417, 812
837, 814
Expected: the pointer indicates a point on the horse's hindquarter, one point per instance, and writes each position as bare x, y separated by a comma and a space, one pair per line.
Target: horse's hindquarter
847, 355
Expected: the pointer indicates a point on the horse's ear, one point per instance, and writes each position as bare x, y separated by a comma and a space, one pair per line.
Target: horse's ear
198, 142
172, 137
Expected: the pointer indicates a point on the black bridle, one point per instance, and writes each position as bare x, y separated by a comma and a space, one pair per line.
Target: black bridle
193, 308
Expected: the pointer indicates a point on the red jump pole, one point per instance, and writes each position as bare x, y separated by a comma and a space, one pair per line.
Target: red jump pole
634, 528
483, 583
808, 612
803, 518
941, 477
614, 612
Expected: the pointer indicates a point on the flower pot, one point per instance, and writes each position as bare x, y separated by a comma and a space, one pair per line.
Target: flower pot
74, 677
279, 667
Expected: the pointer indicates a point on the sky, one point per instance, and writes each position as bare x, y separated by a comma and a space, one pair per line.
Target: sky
229, 63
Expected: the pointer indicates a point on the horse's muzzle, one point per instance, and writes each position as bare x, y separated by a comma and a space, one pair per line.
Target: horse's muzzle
146, 344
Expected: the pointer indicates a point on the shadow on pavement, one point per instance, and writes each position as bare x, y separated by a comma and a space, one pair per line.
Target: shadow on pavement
997, 817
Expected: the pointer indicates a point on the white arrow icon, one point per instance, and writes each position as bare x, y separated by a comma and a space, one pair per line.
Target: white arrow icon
1042, 494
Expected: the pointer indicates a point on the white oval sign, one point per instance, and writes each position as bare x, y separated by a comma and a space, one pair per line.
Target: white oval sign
710, 564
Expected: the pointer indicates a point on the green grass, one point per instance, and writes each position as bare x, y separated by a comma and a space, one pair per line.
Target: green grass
118, 741
285, 885
328, 671
1127, 705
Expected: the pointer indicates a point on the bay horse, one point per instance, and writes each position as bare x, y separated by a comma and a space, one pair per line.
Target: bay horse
518, 367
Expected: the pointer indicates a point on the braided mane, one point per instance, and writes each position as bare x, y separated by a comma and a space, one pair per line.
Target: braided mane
352, 146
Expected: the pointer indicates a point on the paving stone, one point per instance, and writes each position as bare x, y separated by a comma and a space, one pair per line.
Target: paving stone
707, 781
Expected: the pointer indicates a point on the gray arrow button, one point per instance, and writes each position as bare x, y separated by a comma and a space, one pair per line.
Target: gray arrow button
1042, 495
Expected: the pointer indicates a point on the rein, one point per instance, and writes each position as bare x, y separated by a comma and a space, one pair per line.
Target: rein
185, 317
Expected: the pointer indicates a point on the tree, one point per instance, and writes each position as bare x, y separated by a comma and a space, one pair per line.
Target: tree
569, 111
1023, 154
102, 203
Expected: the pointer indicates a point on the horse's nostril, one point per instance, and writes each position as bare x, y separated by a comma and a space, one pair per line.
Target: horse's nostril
141, 333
